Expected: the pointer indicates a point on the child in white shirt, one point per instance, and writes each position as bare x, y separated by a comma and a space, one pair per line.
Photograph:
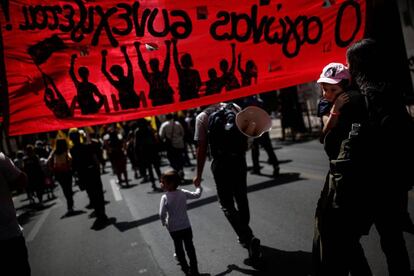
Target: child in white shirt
173, 215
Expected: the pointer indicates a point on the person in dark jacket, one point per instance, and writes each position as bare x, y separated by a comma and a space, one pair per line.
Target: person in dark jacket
339, 225
391, 132
85, 164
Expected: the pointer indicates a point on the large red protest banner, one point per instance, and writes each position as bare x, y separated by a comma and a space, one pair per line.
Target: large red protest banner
85, 62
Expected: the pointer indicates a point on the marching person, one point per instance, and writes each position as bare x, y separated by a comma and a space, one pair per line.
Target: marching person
173, 215
13, 251
230, 174
341, 219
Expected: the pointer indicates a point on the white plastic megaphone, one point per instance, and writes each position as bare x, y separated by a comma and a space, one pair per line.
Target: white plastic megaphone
253, 121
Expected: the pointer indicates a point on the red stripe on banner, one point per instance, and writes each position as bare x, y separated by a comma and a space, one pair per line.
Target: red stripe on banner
75, 63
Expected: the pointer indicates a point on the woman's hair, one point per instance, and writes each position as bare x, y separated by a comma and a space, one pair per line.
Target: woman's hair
61, 146
171, 177
365, 62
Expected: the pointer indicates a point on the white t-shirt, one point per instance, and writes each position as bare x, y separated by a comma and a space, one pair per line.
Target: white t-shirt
201, 125
173, 131
9, 227
173, 208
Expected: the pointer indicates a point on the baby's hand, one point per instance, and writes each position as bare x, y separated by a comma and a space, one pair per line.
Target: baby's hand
340, 101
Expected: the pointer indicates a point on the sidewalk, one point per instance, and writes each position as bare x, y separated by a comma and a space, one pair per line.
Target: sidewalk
276, 131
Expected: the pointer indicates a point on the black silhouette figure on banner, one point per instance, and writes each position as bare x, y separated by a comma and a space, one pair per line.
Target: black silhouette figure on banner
213, 84
160, 92
249, 73
85, 89
54, 99
228, 78
189, 79
128, 98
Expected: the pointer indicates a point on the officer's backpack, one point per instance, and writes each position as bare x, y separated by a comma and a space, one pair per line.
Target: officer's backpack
225, 139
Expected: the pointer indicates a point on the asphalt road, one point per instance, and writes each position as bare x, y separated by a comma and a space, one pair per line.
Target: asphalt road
135, 243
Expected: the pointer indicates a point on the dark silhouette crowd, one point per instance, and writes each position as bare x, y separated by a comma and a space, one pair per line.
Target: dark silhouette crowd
90, 100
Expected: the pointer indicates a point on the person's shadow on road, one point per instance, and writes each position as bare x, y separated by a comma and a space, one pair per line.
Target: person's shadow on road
72, 214
276, 262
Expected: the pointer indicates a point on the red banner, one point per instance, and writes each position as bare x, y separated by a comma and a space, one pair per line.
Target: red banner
77, 63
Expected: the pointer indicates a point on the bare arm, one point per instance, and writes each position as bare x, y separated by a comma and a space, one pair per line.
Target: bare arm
141, 61
201, 160
332, 120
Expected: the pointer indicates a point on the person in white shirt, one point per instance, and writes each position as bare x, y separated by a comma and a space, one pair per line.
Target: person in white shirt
12, 243
172, 133
173, 215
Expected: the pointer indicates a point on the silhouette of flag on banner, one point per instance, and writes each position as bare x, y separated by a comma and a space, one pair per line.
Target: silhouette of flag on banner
41, 51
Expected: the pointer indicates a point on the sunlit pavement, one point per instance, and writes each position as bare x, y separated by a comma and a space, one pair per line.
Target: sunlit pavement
135, 243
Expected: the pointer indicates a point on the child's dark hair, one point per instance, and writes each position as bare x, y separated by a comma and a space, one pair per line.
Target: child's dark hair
171, 177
